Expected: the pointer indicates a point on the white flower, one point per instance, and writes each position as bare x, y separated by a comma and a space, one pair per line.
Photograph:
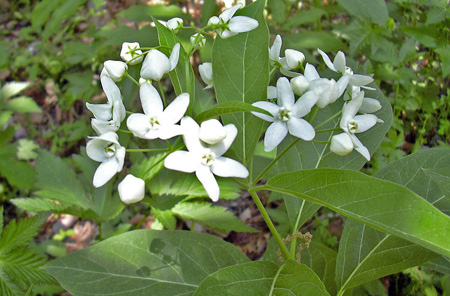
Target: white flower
294, 58
175, 24
326, 90
131, 189
108, 116
107, 150
156, 122
198, 41
369, 105
299, 85
115, 69
206, 74
156, 64
130, 53
212, 132
351, 123
286, 115
206, 161
341, 144
232, 25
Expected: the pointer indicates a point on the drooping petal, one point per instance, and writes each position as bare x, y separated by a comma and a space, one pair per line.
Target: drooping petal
341, 144
105, 171
365, 122
119, 112
100, 111
182, 161
138, 124
226, 15
95, 149
327, 60
206, 74
304, 104
350, 109
206, 177
120, 156
191, 134
276, 132
111, 90
342, 83
369, 105
227, 167
274, 52
360, 80
174, 55
286, 96
311, 72
240, 24
223, 146
339, 62
155, 65
102, 127
270, 107
150, 99
360, 147
301, 128
175, 111
224, 34
169, 131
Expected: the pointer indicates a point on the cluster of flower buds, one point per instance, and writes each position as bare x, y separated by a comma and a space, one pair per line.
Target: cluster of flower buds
313, 90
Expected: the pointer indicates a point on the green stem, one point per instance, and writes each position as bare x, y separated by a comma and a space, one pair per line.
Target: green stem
124, 131
321, 142
188, 86
192, 226
132, 79
100, 232
274, 161
296, 227
313, 114
242, 184
269, 223
148, 150
328, 130
328, 120
163, 96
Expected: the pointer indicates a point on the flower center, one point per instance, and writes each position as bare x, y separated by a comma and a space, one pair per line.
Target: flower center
285, 114
154, 123
132, 51
110, 150
208, 158
348, 70
352, 126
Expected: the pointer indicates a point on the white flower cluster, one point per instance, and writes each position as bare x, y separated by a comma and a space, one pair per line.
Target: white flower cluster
312, 90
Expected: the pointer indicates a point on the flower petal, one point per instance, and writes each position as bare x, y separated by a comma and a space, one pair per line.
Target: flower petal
100, 111
327, 60
360, 147
339, 62
271, 92
102, 127
227, 167
276, 132
365, 122
105, 171
342, 83
270, 107
174, 55
191, 131
169, 131
138, 124
175, 111
226, 15
301, 128
222, 147
150, 99
350, 109
206, 177
369, 105
95, 149
182, 161
111, 90
285, 94
155, 65
304, 104
240, 24
274, 52
311, 72
360, 80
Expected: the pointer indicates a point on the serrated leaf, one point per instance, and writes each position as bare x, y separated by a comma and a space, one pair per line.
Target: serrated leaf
228, 108
166, 218
263, 278
25, 149
380, 204
241, 74
374, 11
167, 262
212, 216
13, 88
23, 104
18, 173
149, 167
37, 205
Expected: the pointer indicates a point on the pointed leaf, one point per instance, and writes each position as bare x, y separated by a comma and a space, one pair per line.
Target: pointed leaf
227, 108
166, 218
149, 167
37, 205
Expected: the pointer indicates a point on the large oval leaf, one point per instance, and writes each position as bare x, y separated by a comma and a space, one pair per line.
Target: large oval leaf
145, 262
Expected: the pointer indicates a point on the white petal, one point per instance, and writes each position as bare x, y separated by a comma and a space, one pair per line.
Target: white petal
131, 189
212, 132
225, 33
301, 128
208, 181
119, 112
304, 104
360, 80
275, 50
109, 137
327, 60
223, 146
271, 92
360, 147
227, 167
150, 99
268, 106
276, 132
173, 59
102, 127
100, 111
206, 74
182, 161
120, 156
341, 144
285, 94
116, 69
240, 24
365, 122
339, 62
299, 85
311, 72
127, 53
226, 15
350, 109
369, 105
191, 134
138, 124
294, 58
111, 90
105, 172
342, 83
175, 111
169, 131
155, 65
95, 150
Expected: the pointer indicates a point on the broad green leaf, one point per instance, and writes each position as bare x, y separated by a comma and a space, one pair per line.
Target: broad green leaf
441, 264
299, 210
57, 181
380, 204
441, 177
23, 104
149, 167
313, 40
144, 12
241, 74
144, 262
18, 173
212, 216
374, 11
37, 205
13, 88
305, 17
227, 108
263, 278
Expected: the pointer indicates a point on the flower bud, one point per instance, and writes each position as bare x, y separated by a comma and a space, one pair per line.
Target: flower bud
198, 41
212, 132
115, 69
131, 189
341, 144
130, 53
175, 24
214, 20
299, 85
294, 58
369, 105
206, 74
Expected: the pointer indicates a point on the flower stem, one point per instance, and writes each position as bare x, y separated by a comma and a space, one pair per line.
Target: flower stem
328, 130
274, 161
269, 223
132, 79
313, 114
329, 119
163, 96
124, 131
294, 230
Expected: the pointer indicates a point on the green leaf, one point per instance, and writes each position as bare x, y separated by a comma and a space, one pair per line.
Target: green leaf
37, 205
380, 204
304, 17
442, 265
145, 261
241, 74
227, 108
13, 88
149, 167
18, 173
144, 12
212, 216
428, 35
313, 40
441, 177
146, 36
166, 218
23, 104
25, 150
444, 54
278, 10
263, 278
374, 11
42, 11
